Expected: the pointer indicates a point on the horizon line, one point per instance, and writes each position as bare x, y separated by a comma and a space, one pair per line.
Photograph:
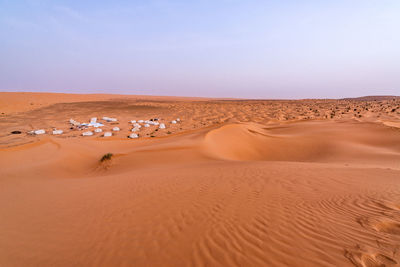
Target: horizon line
205, 97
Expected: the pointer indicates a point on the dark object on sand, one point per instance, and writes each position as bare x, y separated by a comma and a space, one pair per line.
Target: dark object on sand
107, 156
16, 132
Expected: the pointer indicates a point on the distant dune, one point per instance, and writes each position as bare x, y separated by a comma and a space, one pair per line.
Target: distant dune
17, 102
226, 183
373, 98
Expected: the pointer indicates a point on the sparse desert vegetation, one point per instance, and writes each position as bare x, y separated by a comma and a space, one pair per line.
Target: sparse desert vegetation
106, 157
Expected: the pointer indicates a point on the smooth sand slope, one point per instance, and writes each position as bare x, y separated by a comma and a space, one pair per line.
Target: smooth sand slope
236, 183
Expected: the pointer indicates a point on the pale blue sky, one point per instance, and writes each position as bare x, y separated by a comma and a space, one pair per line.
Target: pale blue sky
221, 48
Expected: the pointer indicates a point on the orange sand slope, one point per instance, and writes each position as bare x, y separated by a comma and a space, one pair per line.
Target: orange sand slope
236, 183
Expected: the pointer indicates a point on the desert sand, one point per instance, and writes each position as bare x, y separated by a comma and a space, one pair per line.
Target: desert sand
234, 183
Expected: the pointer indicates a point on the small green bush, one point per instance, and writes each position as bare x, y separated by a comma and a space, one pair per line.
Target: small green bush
105, 157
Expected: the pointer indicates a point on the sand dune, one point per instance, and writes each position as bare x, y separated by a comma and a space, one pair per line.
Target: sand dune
306, 142
236, 183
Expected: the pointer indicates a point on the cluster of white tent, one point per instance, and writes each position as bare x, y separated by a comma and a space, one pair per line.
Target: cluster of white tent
42, 131
136, 125
94, 123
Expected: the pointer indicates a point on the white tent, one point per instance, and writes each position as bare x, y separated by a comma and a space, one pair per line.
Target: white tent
74, 122
88, 133
57, 131
98, 130
162, 126
97, 124
115, 129
133, 135
94, 123
41, 131
152, 122
107, 134
109, 119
